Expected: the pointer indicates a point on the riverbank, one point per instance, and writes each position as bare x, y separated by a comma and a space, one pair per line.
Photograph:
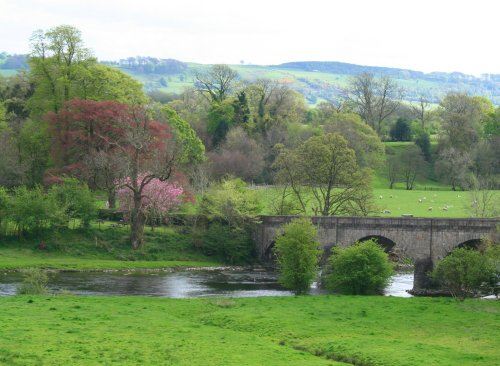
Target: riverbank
307, 330
102, 247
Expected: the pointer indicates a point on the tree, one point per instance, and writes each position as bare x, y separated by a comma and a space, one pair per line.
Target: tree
325, 169
297, 255
423, 141
220, 120
466, 273
461, 118
453, 167
401, 130
393, 165
159, 198
57, 59
216, 83
375, 99
420, 110
412, 164
361, 269
360, 137
239, 155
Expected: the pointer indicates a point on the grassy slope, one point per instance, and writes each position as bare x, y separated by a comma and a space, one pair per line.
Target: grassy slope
253, 331
102, 248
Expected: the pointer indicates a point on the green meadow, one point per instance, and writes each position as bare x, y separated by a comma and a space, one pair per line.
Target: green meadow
307, 330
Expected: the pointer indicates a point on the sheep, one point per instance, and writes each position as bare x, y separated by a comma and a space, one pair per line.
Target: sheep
390, 196
419, 200
380, 197
387, 211
429, 209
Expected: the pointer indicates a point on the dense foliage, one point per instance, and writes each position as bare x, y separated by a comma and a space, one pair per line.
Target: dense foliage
361, 269
297, 255
468, 273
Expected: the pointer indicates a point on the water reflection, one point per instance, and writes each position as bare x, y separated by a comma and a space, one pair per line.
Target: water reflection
182, 284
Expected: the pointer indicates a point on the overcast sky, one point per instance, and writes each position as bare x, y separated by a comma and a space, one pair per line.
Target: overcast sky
426, 35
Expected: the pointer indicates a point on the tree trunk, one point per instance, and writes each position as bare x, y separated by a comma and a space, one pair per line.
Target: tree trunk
137, 221
112, 198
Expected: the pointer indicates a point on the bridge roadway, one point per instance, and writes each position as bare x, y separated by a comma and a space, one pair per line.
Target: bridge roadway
424, 240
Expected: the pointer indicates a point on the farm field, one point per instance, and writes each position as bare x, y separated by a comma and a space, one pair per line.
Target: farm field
396, 202
307, 330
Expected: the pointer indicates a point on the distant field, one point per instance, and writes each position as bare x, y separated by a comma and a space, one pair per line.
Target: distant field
419, 203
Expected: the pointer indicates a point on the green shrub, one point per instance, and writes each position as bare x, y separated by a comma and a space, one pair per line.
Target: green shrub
297, 254
468, 273
361, 269
32, 210
76, 200
34, 283
232, 245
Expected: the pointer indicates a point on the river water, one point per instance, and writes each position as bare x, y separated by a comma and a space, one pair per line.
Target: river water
179, 284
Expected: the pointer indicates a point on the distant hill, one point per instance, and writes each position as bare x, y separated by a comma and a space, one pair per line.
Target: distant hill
317, 80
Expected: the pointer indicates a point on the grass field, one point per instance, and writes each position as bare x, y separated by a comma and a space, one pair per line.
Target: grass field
103, 247
419, 203
321, 330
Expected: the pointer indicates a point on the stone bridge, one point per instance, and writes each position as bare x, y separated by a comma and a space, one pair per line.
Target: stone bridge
424, 240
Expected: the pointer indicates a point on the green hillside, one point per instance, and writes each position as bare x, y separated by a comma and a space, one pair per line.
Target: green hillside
321, 85
316, 80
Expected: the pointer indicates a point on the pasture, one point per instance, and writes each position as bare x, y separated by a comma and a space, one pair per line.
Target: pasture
306, 330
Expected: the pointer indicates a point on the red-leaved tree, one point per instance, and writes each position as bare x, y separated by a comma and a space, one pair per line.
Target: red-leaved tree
125, 140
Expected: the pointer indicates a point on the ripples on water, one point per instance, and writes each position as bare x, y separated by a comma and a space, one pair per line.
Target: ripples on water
182, 284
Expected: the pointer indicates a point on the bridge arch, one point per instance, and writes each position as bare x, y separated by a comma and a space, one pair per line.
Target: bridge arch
474, 244
389, 246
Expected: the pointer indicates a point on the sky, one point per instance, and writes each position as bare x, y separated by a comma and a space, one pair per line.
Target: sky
424, 35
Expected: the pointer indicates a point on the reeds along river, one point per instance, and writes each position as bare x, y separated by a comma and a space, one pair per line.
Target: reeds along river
179, 284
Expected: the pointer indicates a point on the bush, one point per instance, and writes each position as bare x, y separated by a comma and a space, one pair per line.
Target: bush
76, 200
297, 254
227, 214
34, 283
468, 273
361, 269
233, 246
31, 210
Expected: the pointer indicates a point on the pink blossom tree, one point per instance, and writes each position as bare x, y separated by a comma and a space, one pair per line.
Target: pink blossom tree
158, 197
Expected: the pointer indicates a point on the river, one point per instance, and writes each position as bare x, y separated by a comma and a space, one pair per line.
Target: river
179, 284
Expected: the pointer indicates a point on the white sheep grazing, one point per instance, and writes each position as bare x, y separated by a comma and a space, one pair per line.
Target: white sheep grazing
429, 209
380, 197
387, 211
425, 198
419, 200
445, 208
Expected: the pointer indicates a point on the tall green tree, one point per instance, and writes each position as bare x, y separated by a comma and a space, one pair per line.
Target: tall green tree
323, 169
461, 121
297, 255
57, 60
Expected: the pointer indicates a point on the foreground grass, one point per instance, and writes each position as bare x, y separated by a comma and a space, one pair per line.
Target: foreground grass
101, 247
322, 330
